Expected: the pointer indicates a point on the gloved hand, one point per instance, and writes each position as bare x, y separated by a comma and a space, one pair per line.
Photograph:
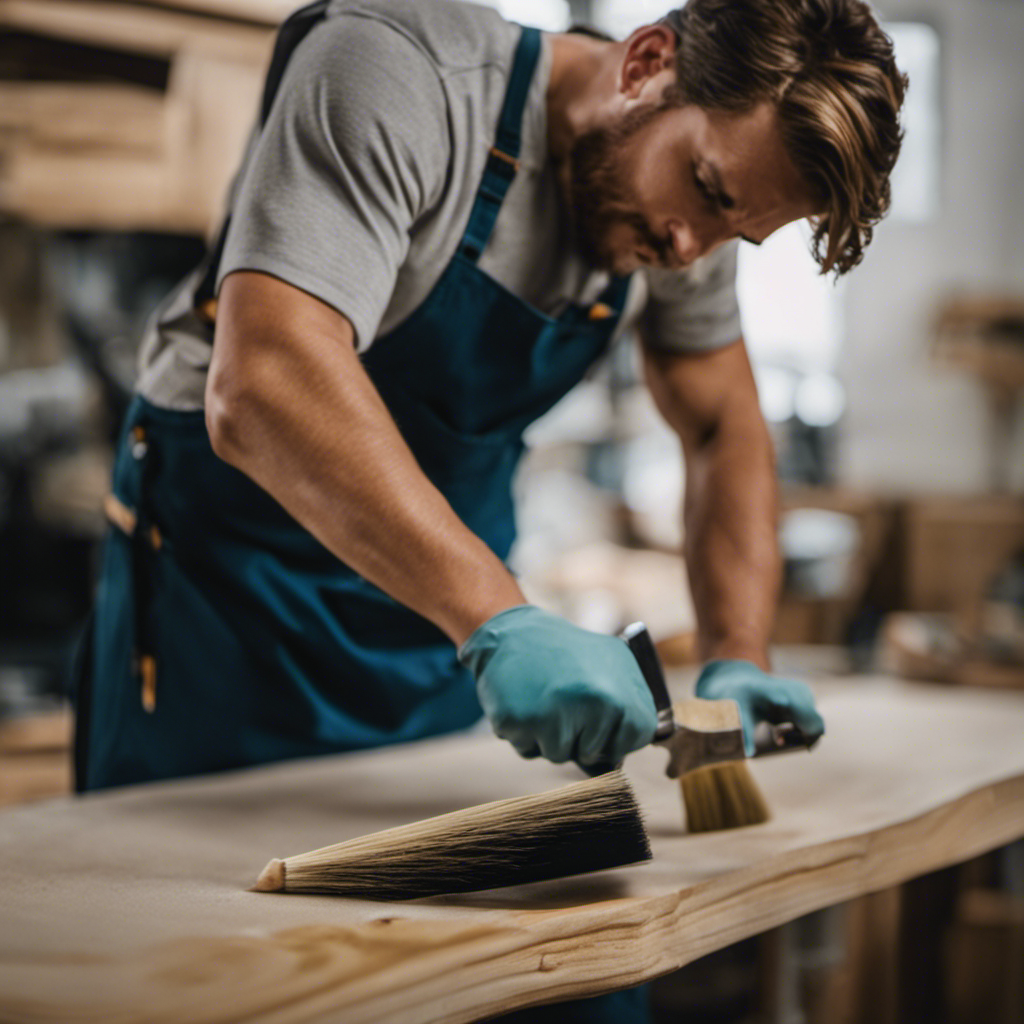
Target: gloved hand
553, 689
761, 697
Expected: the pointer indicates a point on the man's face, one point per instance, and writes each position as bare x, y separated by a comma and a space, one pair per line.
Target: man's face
663, 186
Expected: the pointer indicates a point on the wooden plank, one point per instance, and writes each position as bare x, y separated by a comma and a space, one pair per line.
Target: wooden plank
269, 12
132, 905
112, 191
83, 115
213, 106
137, 29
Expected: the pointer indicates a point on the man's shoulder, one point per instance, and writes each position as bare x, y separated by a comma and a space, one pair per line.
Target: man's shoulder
453, 34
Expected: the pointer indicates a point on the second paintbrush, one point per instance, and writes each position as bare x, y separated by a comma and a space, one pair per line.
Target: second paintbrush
719, 737
585, 826
707, 752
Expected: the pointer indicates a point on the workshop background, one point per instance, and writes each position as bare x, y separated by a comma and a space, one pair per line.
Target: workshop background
894, 399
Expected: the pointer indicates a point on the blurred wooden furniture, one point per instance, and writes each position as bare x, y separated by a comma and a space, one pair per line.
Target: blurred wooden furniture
801, 618
983, 336
132, 905
952, 550
955, 545
35, 757
985, 977
120, 115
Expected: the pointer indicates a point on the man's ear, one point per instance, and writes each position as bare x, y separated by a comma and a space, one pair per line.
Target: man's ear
650, 50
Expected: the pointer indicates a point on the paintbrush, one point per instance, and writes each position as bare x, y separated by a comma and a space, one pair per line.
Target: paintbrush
706, 747
584, 826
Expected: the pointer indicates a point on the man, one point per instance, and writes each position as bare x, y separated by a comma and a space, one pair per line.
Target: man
440, 222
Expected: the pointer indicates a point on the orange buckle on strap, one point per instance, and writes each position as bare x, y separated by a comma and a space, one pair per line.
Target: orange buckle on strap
119, 514
504, 156
207, 311
147, 668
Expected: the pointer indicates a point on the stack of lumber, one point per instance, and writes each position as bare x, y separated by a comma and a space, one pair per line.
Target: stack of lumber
122, 115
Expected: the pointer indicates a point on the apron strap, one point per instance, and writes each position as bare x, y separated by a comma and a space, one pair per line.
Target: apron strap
293, 30
503, 159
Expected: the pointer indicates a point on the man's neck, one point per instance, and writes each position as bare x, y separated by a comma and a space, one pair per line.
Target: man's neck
582, 82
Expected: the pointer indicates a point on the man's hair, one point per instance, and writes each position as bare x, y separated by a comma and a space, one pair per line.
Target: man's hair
829, 70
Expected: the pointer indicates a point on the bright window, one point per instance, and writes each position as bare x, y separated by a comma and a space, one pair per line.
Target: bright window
916, 178
619, 17
549, 15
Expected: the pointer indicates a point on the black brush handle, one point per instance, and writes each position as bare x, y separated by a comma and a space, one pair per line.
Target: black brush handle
777, 739
646, 654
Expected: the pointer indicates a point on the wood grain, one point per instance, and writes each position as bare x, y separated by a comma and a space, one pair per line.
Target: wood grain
130, 906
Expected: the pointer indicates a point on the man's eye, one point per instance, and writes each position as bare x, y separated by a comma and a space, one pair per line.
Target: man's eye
705, 190
714, 198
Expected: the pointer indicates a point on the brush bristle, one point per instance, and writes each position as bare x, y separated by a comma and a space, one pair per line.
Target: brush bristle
723, 796
272, 878
585, 826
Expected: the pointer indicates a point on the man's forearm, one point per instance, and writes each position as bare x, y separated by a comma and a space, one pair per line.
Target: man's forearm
289, 404
731, 545
731, 549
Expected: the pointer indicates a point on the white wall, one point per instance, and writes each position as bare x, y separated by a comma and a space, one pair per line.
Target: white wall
911, 426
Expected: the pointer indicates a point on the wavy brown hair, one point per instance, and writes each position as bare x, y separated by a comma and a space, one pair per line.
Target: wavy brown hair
829, 70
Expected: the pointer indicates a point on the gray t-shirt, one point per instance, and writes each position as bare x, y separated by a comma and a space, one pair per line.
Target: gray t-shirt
359, 188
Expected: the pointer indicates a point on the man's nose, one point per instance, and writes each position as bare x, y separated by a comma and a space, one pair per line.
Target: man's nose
687, 243
691, 241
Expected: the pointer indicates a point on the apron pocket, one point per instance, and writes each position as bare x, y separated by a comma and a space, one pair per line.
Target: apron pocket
473, 471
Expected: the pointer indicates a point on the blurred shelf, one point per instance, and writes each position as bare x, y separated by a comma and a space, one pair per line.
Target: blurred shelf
89, 151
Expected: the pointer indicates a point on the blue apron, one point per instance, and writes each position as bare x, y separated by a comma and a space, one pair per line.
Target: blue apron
226, 635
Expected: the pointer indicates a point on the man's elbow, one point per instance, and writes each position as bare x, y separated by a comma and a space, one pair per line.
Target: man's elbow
749, 433
741, 431
229, 406
217, 421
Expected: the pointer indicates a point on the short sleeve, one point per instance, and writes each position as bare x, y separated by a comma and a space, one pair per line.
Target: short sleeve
694, 310
356, 148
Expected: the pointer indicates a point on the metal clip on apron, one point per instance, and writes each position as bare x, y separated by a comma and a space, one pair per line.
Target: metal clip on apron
265, 646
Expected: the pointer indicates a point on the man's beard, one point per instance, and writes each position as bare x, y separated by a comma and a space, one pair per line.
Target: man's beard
599, 196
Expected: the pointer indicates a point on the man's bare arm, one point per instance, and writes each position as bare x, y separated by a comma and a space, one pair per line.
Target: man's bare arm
289, 403
731, 547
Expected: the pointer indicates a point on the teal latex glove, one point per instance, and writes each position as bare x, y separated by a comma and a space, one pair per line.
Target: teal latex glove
553, 689
761, 698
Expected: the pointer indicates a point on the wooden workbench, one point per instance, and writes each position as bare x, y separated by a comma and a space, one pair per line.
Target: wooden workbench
131, 906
